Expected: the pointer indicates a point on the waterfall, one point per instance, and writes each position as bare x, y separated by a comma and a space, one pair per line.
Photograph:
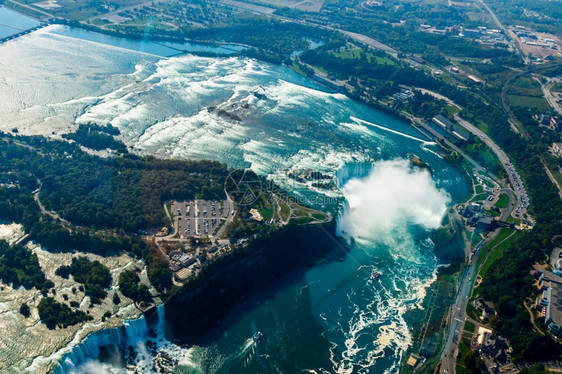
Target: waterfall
88, 348
135, 329
131, 333
353, 170
347, 172
160, 323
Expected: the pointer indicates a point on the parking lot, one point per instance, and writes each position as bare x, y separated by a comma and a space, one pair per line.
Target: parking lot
199, 218
520, 192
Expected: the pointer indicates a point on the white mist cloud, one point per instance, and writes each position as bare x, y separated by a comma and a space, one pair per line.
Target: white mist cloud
91, 367
392, 195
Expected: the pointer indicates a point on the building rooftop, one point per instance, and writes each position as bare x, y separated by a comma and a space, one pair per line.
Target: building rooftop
549, 276
554, 309
451, 128
553, 300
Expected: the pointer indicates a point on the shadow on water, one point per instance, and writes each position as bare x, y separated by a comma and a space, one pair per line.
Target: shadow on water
267, 293
281, 310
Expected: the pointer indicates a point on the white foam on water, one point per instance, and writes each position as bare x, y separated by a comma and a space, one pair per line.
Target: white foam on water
392, 194
391, 130
383, 208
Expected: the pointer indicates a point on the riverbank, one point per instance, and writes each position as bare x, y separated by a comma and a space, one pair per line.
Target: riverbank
428, 323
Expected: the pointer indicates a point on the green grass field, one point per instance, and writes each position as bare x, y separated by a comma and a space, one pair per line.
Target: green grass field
497, 252
284, 211
354, 53
319, 216
525, 86
480, 197
528, 102
469, 326
503, 201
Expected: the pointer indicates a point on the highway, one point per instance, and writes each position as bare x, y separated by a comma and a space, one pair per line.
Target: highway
457, 315
513, 175
548, 95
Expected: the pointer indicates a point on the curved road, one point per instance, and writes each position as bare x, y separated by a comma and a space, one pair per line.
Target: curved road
548, 95
513, 175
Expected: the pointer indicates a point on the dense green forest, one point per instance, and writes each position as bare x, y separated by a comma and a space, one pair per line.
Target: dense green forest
130, 286
271, 40
92, 274
54, 314
118, 193
20, 267
97, 137
125, 193
508, 283
395, 23
158, 267
544, 16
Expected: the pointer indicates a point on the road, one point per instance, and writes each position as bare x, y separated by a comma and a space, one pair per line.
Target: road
549, 96
369, 41
514, 122
117, 11
32, 9
513, 175
230, 217
501, 27
457, 316
364, 39
42, 207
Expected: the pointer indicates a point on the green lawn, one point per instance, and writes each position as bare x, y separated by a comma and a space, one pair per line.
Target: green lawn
475, 240
296, 68
528, 101
495, 254
451, 109
487, 183
319, 216
469, 326
525, 86
556, 87
494, 213
504, 233
503, 201
355, 53
510, 219
499, 250
482, 126
304, 219
266, 209
464, 348
284, 210
480, 197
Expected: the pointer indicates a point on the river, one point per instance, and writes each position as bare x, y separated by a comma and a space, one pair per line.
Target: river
250, 114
